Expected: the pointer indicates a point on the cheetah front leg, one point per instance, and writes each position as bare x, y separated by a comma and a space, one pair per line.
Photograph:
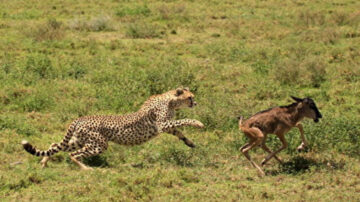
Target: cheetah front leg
170, 127
182, 137
173, 124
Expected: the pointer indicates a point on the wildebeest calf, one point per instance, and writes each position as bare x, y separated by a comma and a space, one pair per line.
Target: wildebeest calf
278, 121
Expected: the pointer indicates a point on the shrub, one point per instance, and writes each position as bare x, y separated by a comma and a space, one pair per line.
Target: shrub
74, 69
38, 101
95, 24
325, 35
161, 79
311, 18
350, 73
181, 157
17, 123
315, 70
39, 65
340, 17
309, 72
99, 23
51, 30
354, 19
143, 30
173, 12
34, 68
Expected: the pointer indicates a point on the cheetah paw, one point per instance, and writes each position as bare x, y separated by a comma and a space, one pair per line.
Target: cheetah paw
199, 124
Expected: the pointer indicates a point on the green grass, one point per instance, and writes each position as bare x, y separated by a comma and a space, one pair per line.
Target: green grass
61, 60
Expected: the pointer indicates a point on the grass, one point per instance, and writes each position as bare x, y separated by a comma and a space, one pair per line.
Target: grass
61, 60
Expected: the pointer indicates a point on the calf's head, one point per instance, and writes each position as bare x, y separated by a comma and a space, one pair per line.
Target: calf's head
308, 108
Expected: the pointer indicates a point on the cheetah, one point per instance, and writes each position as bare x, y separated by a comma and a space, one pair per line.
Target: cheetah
89, 136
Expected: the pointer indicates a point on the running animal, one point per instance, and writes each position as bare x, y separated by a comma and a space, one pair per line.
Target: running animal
89, 136
278, 121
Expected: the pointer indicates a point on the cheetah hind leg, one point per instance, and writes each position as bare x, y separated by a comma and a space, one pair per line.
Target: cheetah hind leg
45, 159
80, 164
68, 148
87, 151
78, 155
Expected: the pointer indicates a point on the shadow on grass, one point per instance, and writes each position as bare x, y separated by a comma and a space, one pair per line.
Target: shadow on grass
180, 157
96, 161
300, 164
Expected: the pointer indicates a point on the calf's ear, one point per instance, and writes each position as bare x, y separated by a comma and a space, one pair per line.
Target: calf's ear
297, 99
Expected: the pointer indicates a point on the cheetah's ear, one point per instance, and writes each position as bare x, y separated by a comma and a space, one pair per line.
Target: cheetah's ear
179, 91
187, 89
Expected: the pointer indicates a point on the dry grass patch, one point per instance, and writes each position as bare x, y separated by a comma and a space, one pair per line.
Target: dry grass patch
144, 30
309, 72
52, 29
95, 24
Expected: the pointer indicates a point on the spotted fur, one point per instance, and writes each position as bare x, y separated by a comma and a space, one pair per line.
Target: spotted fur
89, 135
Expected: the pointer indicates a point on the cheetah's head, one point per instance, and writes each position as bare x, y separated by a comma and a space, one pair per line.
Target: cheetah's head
182, 98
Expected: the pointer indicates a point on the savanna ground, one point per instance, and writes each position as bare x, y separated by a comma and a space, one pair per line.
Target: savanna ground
63, 59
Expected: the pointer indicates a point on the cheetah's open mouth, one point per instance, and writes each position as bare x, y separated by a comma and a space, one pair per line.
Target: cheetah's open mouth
192, 103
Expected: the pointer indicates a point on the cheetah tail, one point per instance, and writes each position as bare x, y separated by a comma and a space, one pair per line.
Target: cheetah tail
32, 150
54, 149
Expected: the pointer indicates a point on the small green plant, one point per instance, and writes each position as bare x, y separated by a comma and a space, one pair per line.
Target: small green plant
74, 69
143, 30
133, 11
177, 156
